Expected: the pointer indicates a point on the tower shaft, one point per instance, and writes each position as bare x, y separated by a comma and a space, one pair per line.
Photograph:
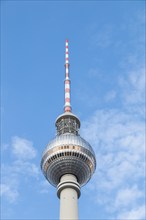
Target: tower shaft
68, 192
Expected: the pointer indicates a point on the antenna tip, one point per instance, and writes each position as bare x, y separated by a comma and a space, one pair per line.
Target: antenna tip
66, 40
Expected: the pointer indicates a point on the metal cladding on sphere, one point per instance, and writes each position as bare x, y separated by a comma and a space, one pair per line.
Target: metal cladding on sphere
68, 152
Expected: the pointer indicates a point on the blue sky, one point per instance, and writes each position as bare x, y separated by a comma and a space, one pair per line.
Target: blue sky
107, 70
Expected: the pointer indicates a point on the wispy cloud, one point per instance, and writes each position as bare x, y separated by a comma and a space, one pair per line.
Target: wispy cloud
132, 91
102, 37
136, 213
9, 191
23, 149
19, 169
118, 137
127, 196
44, 187
119, 141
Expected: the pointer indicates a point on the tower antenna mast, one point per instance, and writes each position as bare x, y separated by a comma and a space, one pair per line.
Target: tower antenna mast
67, 106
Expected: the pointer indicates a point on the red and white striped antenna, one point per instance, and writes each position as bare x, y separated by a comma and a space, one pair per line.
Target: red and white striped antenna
67, 106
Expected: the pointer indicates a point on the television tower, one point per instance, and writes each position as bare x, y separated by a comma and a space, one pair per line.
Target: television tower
68, 162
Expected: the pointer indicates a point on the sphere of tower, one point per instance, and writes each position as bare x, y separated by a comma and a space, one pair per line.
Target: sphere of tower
68, 153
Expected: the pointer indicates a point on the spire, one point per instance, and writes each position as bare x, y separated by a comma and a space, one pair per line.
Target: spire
67, 122
67, 106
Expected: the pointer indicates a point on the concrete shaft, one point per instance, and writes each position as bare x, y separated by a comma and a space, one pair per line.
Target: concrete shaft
68, 192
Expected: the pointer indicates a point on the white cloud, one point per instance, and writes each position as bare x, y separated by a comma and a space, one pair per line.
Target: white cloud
119, 142
133, 87
25, 167
116, 133
118, 137
127, 196
138, 213
20, 170
9, 191
14, 176
22, 148
44, 187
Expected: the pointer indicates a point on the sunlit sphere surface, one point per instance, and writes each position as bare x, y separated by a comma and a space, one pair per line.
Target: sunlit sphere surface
68, 153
